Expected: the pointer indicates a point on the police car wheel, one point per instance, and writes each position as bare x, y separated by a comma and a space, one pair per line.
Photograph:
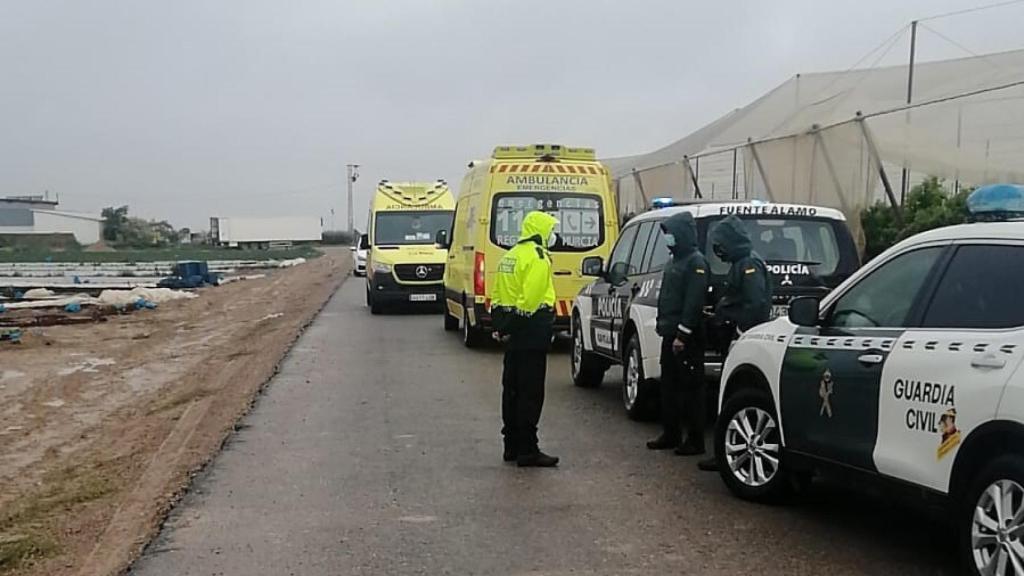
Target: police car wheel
749, 448
636, 389
991, 519
587, 368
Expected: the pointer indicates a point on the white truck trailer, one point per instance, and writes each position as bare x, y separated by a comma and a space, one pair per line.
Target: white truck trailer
238, 232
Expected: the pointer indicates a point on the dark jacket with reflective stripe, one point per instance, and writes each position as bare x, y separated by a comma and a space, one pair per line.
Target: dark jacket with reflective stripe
747, 295
684, 283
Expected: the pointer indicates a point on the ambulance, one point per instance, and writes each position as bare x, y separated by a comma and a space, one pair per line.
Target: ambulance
495, 196
403, 263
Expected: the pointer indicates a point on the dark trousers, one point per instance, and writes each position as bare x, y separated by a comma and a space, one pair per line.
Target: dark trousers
522, 398
683, 391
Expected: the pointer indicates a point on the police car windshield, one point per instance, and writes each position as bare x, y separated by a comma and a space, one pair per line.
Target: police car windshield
794, 246
399, 228
580, 217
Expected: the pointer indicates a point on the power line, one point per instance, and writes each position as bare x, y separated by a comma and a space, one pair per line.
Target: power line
885, 47
984, 57
970, 10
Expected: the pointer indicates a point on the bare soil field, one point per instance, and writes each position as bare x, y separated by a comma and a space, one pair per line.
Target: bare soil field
103, 424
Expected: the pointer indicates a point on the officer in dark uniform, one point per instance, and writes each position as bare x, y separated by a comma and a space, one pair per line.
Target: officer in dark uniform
680, 325
747, 295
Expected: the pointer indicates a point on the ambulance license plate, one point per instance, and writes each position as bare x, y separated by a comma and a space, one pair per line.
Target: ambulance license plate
779, 310
422, 297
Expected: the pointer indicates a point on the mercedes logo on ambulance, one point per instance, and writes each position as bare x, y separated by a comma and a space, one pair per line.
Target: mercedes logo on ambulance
421, 272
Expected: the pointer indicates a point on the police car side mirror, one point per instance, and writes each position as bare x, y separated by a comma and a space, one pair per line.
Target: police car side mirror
364, 241
441, 239
618, 274
593, 266
803, 311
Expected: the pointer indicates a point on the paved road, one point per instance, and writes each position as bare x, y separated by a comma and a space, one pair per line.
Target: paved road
376, 451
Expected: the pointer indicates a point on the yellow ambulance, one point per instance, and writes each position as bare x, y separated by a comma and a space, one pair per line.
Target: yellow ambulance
403, 264
495, 196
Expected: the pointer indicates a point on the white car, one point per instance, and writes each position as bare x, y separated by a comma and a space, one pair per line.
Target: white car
359, 252
909, 373
808, 249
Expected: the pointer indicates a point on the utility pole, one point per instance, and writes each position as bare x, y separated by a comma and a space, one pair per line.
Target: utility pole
352, 170
905, 184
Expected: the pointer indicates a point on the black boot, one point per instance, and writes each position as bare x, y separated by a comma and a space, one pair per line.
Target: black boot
509, 455
663, 442
536, 460
708, 464
690, 449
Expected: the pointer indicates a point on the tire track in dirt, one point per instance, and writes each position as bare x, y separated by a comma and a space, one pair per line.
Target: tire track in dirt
179, 392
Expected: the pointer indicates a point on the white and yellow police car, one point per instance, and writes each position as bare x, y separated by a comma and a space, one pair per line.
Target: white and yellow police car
909, 371
809, 250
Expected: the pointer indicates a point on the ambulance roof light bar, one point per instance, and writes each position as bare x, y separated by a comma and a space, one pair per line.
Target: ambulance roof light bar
996, 203
544, 152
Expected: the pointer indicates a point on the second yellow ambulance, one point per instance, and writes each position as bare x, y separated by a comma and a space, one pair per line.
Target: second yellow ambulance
404, 265
496, 194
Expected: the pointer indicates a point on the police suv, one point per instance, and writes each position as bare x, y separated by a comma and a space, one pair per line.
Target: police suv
808, 249
909, 371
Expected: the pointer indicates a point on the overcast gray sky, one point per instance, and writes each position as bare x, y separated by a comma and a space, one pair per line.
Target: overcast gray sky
184, 109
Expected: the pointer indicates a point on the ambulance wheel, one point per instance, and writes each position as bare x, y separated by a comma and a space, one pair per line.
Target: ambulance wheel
748, 446
472, 336
637, 390
587, 368
375, 307
991, 519
451, 323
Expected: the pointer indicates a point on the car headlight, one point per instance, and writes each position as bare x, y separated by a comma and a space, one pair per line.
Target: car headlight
382, 268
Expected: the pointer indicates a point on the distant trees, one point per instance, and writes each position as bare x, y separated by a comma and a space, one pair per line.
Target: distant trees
928, 205
339, 237
122, 230
114, 223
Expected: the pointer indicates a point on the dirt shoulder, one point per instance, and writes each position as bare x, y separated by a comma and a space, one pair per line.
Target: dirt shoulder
101, 425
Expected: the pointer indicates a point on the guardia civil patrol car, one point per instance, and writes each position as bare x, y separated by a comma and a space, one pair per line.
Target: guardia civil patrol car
808, 249
907, 372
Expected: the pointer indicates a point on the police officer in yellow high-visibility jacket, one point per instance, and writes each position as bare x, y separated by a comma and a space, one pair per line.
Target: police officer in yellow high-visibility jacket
522, 309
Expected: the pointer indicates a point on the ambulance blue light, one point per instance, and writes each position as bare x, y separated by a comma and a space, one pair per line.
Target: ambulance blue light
996, 202
662, 203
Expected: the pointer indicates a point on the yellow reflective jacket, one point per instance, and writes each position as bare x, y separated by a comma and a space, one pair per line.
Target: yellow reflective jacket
522, 305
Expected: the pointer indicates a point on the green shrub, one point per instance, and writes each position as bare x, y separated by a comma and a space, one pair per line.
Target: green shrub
927, 206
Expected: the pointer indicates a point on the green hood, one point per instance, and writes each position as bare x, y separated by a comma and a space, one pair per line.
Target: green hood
731, 235
537, 226
684, 228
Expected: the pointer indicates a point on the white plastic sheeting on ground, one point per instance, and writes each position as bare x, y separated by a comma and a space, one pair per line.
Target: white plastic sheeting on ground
81, 299
291, 263
128, 297
38, 294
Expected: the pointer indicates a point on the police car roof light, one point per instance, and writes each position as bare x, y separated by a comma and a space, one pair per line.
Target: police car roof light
663, 203
996, 202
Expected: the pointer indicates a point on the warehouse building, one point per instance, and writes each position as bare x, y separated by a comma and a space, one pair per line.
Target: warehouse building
39, 215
